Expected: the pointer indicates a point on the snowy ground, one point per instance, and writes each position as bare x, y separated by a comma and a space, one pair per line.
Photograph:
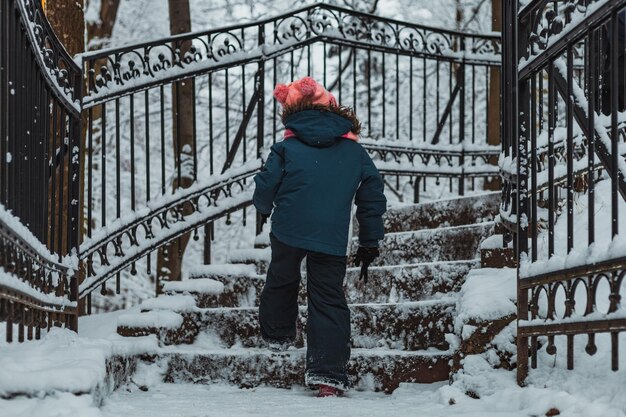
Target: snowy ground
592, 390
434, 400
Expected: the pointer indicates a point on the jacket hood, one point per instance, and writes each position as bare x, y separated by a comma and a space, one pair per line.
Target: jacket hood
317, 127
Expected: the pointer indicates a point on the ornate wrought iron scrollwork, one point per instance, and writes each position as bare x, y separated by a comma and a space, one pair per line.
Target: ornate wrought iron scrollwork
37, 290
124, 70
176, 215
423, 161
63, 75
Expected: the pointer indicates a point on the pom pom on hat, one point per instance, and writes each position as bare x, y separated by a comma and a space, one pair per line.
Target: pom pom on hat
281, 92
304, 90
307, 86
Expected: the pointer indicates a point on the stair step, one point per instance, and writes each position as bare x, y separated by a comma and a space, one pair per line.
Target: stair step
405, 326
386, 284
170, 327
443, 213
260, 258
433, 245
400, 283
368, 369
215, 271
206, 292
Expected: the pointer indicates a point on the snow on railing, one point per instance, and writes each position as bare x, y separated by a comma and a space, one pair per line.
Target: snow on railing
136, 67
36, 288
161, 221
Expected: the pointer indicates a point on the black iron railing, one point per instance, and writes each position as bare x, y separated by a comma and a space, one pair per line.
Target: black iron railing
40, 131
564, 164
171, 113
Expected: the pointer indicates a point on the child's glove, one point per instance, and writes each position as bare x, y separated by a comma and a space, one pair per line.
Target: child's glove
264, 218
365, 256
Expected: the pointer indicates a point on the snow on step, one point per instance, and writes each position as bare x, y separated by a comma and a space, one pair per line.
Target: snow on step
221, 270
160, 319
442, 244
413, 282
200, 285
370, 369
443, 213
411, 325
179, 303
387, 284
243, 255
487, 294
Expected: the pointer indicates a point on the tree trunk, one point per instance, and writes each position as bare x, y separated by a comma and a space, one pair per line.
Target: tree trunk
99, 32
493, 112
170, 256
67, 20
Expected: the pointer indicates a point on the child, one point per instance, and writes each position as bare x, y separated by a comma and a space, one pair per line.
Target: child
310, 180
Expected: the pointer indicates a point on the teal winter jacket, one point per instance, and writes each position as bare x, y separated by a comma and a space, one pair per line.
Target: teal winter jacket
310, 181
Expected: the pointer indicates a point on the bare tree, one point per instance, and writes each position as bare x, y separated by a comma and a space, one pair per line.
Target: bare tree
493, 112
99, 30
170, 256
67, 20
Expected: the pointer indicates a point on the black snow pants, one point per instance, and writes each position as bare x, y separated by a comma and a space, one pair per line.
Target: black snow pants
328, 322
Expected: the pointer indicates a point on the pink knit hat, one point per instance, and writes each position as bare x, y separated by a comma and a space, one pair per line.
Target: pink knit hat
310, 90
303, 89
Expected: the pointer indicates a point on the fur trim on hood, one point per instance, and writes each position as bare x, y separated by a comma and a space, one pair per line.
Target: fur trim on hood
343, 111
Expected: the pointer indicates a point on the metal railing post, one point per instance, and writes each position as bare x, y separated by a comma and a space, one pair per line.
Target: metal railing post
260, 128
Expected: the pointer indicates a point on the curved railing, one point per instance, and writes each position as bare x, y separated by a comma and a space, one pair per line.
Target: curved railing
35, 288
40, 127
165, 219
120, 71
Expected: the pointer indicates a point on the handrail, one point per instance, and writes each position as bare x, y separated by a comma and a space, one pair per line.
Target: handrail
166, 214
63, 75
188, 36
154, 63
32, 279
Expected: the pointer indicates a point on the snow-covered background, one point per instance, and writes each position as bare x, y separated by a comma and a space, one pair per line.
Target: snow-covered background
144, 20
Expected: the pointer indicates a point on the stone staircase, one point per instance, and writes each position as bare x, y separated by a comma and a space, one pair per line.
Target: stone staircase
402, 319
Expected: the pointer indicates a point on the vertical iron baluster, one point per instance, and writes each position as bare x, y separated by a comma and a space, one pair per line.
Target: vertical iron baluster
89, 169
194, 131
591, 61
369, 91
533, 173
354, 84
162, 102
210, 80
410, 97
103, 168
616, 178
227, 110
473, 95
132, 151
570, 149
487, 107
424, 104
450, 89
274, 105
397, 96
53, 179
61, 163
148, 167
461, 81
324, 65
340, 73
552, 114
